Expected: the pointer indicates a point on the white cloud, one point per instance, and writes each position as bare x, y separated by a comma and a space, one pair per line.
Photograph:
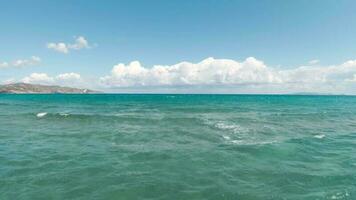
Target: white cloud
207, 72
60, 47
251, 74
313, 62
27, 62
69, 76
34, 60
326, 74
61, 79
69, 79
80, 43
38, 78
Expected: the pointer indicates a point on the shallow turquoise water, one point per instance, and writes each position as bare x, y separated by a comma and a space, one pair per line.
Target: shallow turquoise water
177, 147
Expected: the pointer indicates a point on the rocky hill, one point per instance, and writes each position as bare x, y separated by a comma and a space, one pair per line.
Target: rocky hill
24, 88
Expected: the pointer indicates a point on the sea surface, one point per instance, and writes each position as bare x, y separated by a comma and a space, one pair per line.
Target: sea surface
177, 147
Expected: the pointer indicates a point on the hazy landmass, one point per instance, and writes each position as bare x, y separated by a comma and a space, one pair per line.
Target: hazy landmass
314, 93
24, 88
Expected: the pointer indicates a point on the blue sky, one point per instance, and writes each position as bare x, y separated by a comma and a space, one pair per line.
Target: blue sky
283, 34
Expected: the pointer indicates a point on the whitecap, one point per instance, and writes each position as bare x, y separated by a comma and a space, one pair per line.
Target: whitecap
42, 114
222, 125
235, 128
247, 143
64, 114
319, 136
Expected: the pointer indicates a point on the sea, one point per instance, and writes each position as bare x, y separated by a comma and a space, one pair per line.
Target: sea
169, 146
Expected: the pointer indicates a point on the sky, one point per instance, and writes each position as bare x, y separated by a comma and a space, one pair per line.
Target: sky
198, 46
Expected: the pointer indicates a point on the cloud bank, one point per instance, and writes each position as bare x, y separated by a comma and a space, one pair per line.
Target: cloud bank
207, 72
80, 43
251, 74
214, 76
34, 60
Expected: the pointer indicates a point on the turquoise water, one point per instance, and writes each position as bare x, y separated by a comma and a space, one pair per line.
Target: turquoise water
177, 147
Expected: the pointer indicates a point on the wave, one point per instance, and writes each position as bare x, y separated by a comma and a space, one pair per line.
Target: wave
242, 142
235, 128
111, 116
321, 136
40, 115
225, 126
45, 114
235, 134
246, 141
64, 114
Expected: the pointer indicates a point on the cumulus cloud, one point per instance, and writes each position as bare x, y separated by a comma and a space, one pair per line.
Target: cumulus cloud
45, 79
313, 62
326, 74
250, 74
80, 43
34, 60
68, 76
38, 78
207, 72
60, 47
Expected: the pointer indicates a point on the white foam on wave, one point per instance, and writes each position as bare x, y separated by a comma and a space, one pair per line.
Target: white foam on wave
235, 134
222, 125
321, 136
243, 142
64, 114
234, 128
246, 141
42, 114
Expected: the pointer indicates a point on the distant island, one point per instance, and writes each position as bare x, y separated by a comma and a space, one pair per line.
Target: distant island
24, 88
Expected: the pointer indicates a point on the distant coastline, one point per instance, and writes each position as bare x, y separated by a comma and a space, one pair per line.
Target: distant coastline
24, 88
